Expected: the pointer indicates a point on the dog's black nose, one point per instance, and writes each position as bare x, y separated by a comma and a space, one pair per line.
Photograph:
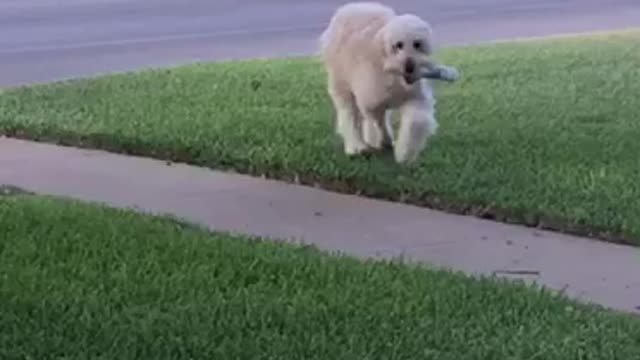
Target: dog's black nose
409, 66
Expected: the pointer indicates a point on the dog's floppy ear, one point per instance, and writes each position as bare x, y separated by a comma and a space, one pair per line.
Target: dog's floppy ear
383, 42
385, 50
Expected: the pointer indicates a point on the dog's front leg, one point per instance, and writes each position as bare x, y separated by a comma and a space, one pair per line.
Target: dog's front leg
374, 130
417, 124
346, 123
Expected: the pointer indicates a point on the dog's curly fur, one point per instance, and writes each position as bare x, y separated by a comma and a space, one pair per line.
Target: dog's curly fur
370, 54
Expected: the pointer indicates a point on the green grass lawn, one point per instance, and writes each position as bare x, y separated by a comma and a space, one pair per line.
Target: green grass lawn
538, 132
79, 281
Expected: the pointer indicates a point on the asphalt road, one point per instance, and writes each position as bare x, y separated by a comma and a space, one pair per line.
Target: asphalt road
43, 40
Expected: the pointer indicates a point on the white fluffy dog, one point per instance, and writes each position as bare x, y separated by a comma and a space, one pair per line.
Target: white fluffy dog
373, 59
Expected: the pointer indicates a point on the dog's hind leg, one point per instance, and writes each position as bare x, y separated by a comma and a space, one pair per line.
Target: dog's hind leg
387, 125
377, 130
417, 124
347, 121
373, 130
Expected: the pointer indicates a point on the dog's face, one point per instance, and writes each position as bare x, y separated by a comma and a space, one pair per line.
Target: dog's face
407, 42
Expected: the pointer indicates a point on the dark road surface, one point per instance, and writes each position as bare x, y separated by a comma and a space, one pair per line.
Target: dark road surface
42, 40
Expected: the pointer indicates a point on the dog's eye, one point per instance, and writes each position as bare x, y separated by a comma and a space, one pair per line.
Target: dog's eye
399, 45
417, 45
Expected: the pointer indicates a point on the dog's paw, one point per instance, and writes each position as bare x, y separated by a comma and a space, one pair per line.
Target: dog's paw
373, 135
356, 148
403, 159
405, 156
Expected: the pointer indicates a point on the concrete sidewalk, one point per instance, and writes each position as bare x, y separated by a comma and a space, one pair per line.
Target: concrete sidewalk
587, 269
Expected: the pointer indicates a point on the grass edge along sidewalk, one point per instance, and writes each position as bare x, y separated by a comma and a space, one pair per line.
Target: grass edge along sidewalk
540, 132
82, 280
